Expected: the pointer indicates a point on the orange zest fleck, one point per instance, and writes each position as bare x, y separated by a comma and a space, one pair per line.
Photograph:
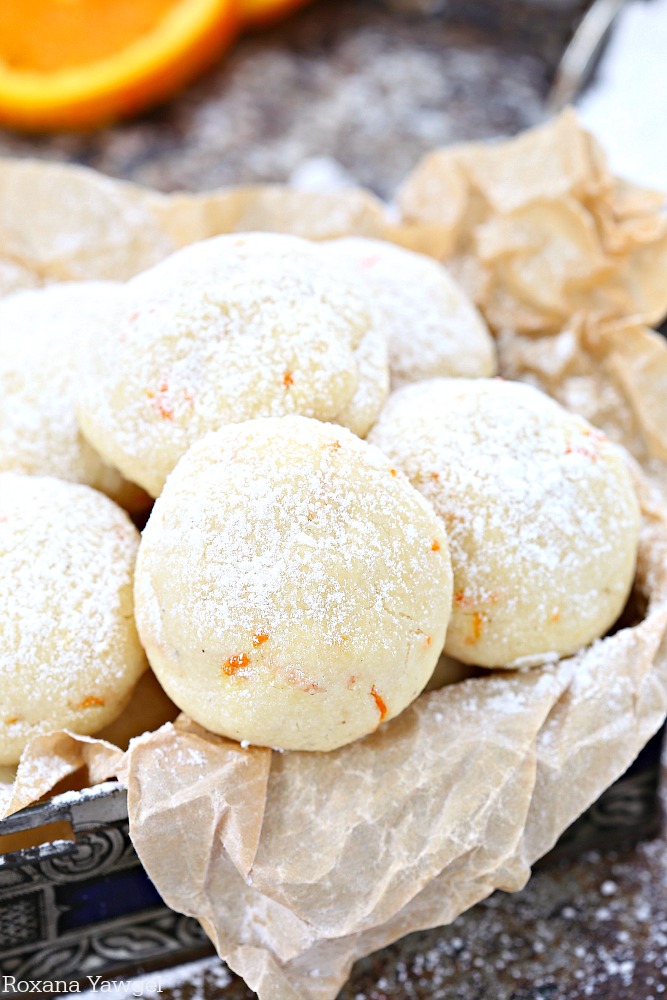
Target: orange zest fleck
380, 702
11, 720
435, 547
92, 701
163, 406
555, 616
259, 638
234, 663
429, 640
288, 379
582, 451
476, 634
351, 681
393, 472
460, 599
435, 475
334, 445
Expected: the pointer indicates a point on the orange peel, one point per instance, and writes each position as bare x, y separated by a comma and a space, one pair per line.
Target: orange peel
260, 13
76, 64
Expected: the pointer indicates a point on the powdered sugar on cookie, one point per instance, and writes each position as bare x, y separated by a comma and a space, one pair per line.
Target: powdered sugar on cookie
540, 513
292, 588
223, 331
431, 325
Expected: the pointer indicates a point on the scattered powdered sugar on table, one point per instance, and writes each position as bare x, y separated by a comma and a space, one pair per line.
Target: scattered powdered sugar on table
182, 982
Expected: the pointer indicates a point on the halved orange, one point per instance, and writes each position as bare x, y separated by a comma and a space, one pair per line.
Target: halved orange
259, 13
72, 64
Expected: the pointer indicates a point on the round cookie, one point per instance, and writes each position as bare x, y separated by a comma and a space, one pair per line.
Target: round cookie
540, 511
226, 330
44, 334
432, 327
69, 651
292, 589
372, 358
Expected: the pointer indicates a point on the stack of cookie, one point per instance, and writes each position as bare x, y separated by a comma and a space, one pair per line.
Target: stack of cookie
295, 584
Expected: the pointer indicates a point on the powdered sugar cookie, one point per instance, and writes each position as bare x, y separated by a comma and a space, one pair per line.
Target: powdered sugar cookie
225, 330
372, 358
540, 512
431, 325
69, 651
292, 589
43, 336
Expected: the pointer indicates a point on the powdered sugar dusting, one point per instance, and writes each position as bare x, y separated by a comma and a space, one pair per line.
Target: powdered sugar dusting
43, 334
372, 357
191, 981
540, 513
431, 325
288, 558
69, 655
223, 331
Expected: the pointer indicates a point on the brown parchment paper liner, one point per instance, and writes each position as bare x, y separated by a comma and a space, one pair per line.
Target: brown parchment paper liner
65, 223
538, 230
297, 864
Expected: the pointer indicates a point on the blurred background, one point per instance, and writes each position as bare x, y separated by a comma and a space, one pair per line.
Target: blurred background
342, 91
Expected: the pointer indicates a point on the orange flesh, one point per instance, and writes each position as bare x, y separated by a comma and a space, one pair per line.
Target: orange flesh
73, 64
47, 35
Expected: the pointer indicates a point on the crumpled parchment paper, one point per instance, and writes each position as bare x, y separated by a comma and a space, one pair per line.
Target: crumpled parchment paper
613, 373
538, 230
297, 864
